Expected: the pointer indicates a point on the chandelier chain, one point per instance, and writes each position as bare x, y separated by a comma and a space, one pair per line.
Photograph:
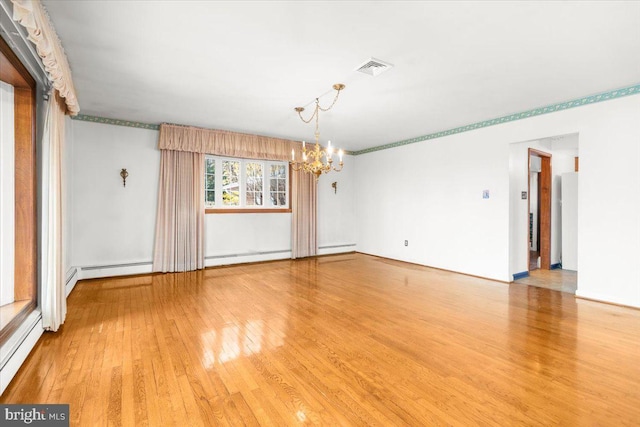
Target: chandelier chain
312, 159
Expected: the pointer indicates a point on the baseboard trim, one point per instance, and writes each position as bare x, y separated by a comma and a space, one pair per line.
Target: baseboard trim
435, 268
347, 245
16, 349
521, 275
113, 270
246, 258
599, 298
72, 279
336, 249
104, 267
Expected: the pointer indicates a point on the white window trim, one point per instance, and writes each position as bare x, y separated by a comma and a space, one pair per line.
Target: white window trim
266, 181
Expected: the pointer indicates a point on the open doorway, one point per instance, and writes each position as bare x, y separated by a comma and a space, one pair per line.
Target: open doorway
543, 212
539, 188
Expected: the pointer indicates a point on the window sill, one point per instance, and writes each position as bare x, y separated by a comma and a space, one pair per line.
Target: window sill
236, 211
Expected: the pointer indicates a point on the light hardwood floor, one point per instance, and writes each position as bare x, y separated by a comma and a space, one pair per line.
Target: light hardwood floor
340, 340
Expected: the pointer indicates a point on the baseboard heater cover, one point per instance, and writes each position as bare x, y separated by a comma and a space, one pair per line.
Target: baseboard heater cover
248, 254
24, 333
70, 275
349, 245
101, 267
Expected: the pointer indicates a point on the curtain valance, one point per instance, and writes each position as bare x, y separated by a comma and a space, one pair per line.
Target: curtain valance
224, 143
32, 16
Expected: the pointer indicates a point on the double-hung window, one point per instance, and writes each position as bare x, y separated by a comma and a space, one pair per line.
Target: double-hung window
249, 185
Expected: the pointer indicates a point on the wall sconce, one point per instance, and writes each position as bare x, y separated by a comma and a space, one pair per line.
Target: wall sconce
334, 185
124, 174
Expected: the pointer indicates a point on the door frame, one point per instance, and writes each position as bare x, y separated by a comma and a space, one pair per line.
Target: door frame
544, 211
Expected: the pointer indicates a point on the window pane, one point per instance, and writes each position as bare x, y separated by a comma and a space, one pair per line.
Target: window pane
278, 171
241, 183
210, 182
253, 187
211, 198
231, 182
210, 166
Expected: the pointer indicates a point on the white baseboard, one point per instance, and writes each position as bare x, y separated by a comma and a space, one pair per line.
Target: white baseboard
215, 261
72, 279
336, 249
16, 349
96, 272
100, 271
605, 298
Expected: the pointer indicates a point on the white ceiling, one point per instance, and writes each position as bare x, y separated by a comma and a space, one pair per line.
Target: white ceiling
244, 66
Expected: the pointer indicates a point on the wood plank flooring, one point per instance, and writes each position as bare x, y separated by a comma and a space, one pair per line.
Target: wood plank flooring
340, 340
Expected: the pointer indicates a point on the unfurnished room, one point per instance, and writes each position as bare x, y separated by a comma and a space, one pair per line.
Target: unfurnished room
396, 213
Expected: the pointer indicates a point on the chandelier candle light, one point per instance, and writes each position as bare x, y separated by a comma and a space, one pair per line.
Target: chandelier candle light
312, 159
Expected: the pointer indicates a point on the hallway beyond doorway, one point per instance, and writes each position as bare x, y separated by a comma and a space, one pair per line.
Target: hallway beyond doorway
557, 280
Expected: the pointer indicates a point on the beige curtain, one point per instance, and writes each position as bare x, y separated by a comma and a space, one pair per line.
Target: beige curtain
32, 15
54, 297
304, 207
224, 143
179, 244
187, 139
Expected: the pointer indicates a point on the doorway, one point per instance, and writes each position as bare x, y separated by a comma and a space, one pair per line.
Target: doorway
539, 208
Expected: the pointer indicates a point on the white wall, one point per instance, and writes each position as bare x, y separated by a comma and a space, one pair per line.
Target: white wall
111, 228
430, 194
563, 161
337, 210
570, 221
111, 224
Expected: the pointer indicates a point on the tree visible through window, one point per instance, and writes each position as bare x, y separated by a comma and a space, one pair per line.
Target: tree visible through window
231, 183
278, 185
250, 184
210, 182
254, 184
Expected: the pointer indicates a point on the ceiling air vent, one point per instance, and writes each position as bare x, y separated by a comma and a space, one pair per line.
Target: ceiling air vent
374, 67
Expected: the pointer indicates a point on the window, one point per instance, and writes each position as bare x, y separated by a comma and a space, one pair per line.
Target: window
246, 184
18, 272
278, 185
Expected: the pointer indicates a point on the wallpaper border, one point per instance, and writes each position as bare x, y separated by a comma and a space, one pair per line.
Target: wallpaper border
586, 100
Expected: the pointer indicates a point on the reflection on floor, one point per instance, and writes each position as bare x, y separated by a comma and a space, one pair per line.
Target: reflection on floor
558, 280
533, 260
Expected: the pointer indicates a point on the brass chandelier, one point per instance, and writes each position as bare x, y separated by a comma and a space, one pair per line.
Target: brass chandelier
312, 160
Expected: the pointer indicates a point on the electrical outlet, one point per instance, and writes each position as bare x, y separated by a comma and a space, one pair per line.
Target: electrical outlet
406, 243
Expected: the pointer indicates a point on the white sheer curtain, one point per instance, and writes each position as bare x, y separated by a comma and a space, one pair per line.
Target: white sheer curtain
304, 208
53, 298
179, 244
